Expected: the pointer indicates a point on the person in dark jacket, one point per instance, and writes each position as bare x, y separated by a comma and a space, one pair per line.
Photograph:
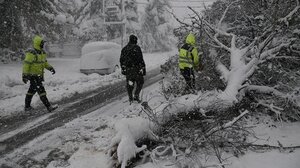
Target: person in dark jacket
33, 70
133, 66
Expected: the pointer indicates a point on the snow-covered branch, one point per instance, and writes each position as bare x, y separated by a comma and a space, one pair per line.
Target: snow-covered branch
233, 42
221, 32
291, 14
224, 13
249, 50
226, 125
211, 27
223, 70
215, 39
262, 46
266, 90
130, 130
274, 50
273, 108
250, 64
220, 43
250, 71
212, 45
285, 57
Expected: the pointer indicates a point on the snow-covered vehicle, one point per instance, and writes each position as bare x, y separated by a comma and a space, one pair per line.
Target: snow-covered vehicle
100, 57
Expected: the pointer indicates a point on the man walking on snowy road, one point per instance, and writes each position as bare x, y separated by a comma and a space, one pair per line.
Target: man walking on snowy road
188, 62
133, 66
33, 70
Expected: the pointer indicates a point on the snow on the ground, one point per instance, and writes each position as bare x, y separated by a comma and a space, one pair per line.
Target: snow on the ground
271, 159
66, 82
272, 133
82, 142
87, 136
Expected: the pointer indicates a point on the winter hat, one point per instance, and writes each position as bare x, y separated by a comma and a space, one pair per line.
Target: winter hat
133, 39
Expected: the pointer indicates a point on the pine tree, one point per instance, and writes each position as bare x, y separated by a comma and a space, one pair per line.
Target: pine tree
89, 21
132, 19
156, 33
10, 25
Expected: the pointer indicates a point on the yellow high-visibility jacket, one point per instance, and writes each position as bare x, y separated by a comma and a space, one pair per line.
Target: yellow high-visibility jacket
35, 59
188, 53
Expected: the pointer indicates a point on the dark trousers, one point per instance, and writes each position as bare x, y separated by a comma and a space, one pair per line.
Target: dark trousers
36, 85
134, 81
189, 76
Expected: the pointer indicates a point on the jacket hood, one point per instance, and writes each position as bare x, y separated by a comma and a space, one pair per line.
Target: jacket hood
37, 40
133, 39
190, 39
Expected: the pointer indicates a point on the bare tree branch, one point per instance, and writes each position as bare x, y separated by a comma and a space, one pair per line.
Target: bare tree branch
273, 108
266, 90
229, 124
178, 20
215, 38
270, 52
224, 13
209, 25
223, 70
249, 49
290, 15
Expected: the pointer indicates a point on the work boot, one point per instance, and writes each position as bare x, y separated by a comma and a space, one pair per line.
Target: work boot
26, 109
28, 99
45, 101
136, 98
52, 107
130, 99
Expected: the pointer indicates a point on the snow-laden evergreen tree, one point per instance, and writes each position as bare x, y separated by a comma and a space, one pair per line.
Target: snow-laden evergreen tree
21, 20
132, 19
89, 21
10, 25
157, 31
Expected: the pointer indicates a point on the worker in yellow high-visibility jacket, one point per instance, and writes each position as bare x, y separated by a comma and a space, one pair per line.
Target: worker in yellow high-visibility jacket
33, 70
189, 61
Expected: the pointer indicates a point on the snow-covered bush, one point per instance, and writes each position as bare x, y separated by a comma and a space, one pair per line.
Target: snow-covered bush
8, 56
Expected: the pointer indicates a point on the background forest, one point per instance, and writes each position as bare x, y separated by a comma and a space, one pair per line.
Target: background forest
81, 21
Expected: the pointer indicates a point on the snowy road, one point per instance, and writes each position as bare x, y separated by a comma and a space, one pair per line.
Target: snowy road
21, 129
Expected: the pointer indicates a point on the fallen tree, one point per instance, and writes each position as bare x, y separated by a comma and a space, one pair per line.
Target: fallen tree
243, 58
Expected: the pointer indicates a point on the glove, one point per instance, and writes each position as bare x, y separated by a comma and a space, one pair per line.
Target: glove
144, 71
200, 67
52, 70
25, 78
123, 71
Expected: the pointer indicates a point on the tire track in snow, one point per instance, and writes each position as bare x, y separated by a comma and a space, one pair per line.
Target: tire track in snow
69, 110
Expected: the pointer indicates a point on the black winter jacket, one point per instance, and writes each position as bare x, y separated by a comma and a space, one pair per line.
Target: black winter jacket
132, 61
